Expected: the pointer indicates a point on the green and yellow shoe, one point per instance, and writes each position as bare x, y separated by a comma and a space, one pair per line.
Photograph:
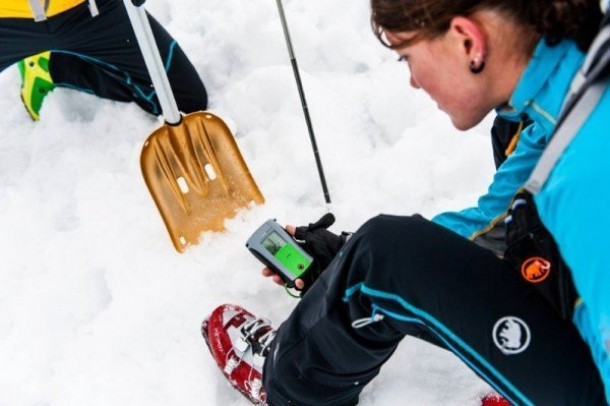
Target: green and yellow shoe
36, 82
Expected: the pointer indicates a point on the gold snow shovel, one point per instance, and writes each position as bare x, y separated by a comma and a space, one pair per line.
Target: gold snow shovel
192, 165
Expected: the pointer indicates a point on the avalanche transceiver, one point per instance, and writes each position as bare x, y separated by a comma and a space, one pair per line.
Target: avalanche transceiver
275, 248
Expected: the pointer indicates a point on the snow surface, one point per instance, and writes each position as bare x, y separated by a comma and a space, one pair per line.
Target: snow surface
96, 307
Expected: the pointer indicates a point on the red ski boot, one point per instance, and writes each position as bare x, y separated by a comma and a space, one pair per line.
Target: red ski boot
239, 343
493, 399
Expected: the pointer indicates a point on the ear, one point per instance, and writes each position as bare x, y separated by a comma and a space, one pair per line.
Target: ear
470, 37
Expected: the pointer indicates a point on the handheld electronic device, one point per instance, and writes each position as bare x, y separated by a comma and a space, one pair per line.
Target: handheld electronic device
275, 248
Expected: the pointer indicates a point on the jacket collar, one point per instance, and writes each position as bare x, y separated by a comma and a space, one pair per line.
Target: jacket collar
544, 84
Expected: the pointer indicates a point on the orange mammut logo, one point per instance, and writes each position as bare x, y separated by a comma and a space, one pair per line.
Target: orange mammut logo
535, 269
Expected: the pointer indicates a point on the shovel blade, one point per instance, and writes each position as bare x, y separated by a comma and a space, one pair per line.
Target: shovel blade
196, 176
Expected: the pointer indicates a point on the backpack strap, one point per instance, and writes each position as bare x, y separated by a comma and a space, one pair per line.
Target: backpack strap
587, 88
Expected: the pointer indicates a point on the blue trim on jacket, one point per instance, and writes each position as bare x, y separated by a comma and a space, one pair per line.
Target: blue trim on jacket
409, 313
128, 80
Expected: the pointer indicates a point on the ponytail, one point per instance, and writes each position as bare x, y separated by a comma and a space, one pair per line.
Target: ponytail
578, 20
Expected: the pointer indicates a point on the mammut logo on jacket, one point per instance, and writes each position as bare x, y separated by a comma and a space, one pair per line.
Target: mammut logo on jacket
536, 269
511, 335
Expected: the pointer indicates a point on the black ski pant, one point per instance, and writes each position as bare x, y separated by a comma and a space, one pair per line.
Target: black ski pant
402, 276
100, 55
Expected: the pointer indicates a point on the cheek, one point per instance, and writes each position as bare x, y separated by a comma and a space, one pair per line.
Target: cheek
435, 82
460, 91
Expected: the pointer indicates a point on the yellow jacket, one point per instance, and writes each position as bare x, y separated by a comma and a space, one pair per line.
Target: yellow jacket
21, 8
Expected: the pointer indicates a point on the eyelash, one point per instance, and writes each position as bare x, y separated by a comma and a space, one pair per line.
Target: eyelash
402, 58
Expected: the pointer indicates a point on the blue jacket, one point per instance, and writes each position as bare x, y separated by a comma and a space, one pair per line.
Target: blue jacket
539, 95
574, 205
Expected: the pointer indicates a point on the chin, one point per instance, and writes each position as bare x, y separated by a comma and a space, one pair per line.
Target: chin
460, 125
465, 123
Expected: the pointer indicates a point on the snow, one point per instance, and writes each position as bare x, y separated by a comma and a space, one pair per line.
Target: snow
97, 308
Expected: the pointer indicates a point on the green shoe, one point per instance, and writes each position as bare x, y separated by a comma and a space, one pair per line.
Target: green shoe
36, 82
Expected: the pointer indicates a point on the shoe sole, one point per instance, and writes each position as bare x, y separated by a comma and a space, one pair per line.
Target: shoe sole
28, 110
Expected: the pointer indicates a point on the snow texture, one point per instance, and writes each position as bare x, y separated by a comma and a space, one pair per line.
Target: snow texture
96, 306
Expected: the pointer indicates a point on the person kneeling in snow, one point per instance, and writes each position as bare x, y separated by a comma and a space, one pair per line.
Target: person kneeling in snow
525, 307
94, 49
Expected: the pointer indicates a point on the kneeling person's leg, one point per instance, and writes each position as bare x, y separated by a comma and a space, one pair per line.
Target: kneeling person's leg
405, 275
102, 56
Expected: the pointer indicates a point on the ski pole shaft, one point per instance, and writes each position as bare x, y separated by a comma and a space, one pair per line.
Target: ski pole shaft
297, 77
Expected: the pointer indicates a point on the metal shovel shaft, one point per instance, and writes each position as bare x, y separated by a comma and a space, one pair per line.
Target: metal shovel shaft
154, 64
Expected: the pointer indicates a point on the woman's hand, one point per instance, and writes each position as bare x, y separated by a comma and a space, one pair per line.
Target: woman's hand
299, 284
320, 243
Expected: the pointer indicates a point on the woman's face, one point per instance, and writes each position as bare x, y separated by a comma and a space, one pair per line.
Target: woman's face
440, 67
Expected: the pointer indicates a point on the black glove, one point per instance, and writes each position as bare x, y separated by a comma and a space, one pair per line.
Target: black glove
321, 244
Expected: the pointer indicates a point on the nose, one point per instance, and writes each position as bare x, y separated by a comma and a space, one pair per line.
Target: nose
413, 82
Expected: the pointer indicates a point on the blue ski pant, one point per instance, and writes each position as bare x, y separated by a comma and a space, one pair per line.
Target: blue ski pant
402, 276
100, 55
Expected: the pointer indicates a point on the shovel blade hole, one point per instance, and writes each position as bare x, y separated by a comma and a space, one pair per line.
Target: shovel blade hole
184, 187
209, 169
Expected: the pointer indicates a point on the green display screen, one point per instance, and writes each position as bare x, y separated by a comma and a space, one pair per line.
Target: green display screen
288, 255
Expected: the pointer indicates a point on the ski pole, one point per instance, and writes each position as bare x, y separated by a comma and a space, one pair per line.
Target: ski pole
295, 70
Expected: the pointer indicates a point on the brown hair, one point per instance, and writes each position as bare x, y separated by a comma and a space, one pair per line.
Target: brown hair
555, 20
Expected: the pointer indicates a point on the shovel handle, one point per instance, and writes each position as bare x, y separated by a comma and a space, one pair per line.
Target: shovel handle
154, 64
